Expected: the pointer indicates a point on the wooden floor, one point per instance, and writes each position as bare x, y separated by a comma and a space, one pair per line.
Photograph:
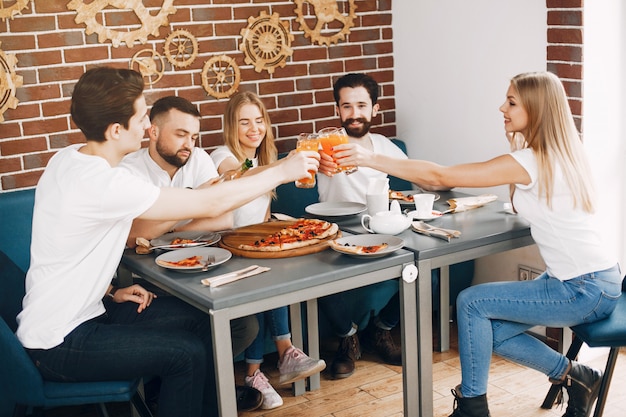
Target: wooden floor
375, 390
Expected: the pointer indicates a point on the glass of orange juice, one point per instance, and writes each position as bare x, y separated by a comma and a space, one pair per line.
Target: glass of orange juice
307, 142
331, 137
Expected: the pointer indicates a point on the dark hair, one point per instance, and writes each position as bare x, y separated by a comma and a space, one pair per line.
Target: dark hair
104, 96
356, 80
165, 104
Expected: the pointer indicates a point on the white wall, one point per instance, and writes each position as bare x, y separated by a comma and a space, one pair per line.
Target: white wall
453, 62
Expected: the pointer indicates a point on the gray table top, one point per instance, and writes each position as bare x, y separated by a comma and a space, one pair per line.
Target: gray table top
286, 275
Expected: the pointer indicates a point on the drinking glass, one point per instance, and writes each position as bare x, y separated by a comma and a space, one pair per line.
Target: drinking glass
307, 142
333, 136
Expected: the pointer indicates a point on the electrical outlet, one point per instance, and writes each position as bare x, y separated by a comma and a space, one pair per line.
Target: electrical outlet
526, 273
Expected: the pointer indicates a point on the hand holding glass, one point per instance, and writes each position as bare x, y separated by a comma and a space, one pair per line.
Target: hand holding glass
333, 136
307, 142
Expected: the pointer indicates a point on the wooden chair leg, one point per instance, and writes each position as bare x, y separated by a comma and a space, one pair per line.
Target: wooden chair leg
606, 381
572, 353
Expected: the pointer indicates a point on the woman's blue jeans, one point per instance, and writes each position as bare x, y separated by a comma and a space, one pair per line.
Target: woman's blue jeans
170, 339
277, 320
493, 318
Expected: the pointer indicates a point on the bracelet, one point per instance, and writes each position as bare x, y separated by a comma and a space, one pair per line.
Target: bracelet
112, 292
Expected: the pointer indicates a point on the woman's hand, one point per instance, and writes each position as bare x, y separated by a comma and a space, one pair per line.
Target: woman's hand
297, 164
136, 294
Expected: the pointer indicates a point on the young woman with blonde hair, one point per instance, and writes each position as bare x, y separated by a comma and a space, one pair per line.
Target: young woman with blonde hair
248, 135
552, 189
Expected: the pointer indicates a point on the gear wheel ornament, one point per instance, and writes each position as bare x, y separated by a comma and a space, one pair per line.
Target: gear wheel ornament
220, 76
86, 13
181, 48
15, 9
325, 12
9, 82
266, 42
150, 64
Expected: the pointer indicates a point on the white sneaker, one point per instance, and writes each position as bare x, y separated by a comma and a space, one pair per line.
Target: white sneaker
271, 399
296, 365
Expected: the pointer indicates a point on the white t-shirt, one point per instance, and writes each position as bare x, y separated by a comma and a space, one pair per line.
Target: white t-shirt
254, 212
352, 188
83, 212
568, 238
198, 169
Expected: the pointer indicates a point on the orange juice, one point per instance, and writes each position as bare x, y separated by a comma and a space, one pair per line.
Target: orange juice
307, 143
330, 137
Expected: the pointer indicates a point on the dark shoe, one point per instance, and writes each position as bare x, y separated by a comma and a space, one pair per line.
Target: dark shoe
349, 351
582, 384
248, 398
378, 340
469, 407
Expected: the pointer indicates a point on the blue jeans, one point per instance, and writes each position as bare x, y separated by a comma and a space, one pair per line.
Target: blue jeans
277, 320
493, 318
170, 339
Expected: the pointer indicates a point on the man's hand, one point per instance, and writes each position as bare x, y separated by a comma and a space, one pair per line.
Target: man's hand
136, 294
352, 154
328, 167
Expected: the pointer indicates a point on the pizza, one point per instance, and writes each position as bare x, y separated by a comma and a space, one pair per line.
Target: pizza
359, 249
301, 233
180, 241
183, 263
398, 195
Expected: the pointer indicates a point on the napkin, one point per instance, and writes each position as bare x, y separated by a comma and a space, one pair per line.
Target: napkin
468, 203
234, 276
438, 232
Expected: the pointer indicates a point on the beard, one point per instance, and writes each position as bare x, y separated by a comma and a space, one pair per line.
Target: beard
357, 133
172, 158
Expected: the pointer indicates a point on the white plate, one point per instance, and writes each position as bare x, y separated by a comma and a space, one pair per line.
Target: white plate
207, 238
394, 243
411, 192
334, 209
221, 256
435, 215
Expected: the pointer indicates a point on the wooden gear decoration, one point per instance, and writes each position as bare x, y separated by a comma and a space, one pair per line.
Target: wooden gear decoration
266, 42
86, 13
326, 11
221, 76
15, 9
181, 48
150, 64
9, 82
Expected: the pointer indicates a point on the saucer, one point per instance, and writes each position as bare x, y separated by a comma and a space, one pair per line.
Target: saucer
435, 215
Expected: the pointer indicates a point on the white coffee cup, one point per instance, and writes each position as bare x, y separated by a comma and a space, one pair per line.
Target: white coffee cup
424, 204
377, 202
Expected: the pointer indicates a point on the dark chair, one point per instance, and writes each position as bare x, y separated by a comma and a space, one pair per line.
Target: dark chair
611, 333
395, 183
20, 381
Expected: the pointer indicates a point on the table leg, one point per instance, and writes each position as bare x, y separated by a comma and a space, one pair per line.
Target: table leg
295, 315
444, 309
313, 340
410, 347
425, 337
224, 369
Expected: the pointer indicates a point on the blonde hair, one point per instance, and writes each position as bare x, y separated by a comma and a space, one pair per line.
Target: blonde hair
267, 151
553, 137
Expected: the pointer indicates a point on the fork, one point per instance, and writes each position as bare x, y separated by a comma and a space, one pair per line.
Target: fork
210, 260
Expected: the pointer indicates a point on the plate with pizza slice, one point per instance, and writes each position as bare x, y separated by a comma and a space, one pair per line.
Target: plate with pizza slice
405, 198
180, 240
367, 245
193, 259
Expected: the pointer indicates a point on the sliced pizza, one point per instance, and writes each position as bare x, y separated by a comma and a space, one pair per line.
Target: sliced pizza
398, 195
301, 233
359, 249
183, 263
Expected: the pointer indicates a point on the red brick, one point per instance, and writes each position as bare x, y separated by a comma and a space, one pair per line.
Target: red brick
51, 7
550, 4
64, 73
15, 42
10, 165
39, 160
386, 62
37, 92
284, 116
576, 105
86, 54
211, 14
326, 68
16, 147
364, 35
59, 39
61, 140
292, 130
23, 180
56, 108
212, 139
313, 83
218, 46
313, 53
23, 111
378, 48
378, 19
571, 71
565, 53
295, 100
361, 64
9, 130
565, 17
574, 36
573, 88
200, 30
33, 23
344, 50
46, 126
387, 33
38, 58
229, 28
321, 111
244, 12
389, 131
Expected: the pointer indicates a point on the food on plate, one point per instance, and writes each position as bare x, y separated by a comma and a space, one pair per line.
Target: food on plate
399, 195
359, 249
183, 263
180, 241
301, 233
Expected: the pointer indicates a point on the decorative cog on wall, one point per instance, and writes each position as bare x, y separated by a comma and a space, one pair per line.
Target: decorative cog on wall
326, 11
221, 76
181, 48
150, 64
9, 82
86, 13
266, 42
15, 9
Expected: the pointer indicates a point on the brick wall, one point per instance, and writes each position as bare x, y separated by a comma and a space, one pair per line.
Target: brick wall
53, 51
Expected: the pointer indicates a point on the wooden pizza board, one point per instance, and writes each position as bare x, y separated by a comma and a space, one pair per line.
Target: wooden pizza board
248, 234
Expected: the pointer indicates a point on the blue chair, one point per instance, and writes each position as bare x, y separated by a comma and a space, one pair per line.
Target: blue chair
611, 333
22, 386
